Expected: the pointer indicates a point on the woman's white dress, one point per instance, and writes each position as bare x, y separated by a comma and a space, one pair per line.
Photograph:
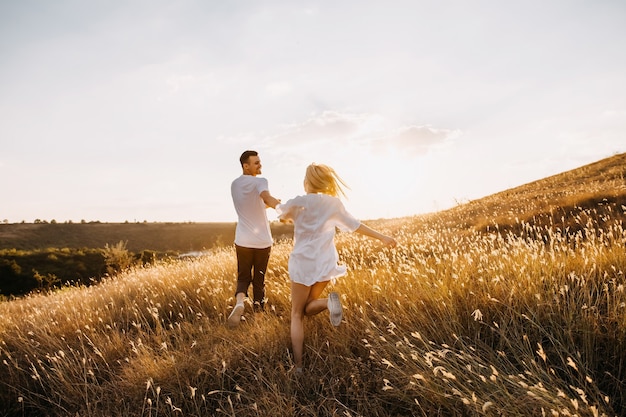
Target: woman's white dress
315, 216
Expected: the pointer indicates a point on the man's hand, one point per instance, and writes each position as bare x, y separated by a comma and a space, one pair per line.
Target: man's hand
269, 200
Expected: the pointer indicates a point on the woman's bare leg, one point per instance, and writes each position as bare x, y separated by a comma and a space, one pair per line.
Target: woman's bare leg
304, 301
299, 296
314, 304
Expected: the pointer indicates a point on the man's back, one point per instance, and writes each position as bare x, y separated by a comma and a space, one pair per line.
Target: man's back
253, 230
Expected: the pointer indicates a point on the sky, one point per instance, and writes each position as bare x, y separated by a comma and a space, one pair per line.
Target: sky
138, 110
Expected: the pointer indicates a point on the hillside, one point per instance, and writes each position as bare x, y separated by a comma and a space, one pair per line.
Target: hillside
557, 200
509, 305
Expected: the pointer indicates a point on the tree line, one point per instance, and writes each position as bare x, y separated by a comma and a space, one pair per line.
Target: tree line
26, 271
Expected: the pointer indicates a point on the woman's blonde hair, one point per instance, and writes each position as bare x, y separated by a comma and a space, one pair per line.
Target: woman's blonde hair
323, 179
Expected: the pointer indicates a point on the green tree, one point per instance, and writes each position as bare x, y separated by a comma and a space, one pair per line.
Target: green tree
117, 258
47, 281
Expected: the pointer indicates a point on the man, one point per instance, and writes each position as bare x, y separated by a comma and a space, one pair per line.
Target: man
253, 238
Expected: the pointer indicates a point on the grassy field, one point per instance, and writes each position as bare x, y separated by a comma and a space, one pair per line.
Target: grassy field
509, 305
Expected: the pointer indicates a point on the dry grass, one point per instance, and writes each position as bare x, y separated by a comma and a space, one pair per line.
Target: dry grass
455, 321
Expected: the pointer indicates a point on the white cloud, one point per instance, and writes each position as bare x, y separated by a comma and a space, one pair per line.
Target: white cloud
612, 113
418, 140
324, 127
370, 132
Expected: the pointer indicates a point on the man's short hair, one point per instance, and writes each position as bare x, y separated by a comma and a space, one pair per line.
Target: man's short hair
246, 155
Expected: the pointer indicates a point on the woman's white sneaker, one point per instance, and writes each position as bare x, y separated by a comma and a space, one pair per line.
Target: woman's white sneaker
334, 308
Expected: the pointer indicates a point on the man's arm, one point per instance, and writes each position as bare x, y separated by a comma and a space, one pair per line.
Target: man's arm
269, 200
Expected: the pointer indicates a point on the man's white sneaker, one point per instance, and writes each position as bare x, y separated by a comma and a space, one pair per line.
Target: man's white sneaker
334, 308
235, 315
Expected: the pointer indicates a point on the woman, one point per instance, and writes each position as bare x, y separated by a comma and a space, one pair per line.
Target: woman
314, 259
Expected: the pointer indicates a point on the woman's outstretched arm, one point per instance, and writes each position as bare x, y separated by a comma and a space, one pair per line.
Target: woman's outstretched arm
368, 231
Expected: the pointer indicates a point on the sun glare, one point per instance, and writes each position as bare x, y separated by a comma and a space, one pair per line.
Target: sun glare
387, 184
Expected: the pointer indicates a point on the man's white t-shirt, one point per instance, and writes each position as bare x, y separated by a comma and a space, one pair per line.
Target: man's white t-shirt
253, 228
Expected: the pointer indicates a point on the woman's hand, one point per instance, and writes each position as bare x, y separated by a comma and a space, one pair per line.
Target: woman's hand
389, 241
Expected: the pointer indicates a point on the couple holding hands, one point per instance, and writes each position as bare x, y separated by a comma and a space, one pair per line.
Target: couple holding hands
313, 262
